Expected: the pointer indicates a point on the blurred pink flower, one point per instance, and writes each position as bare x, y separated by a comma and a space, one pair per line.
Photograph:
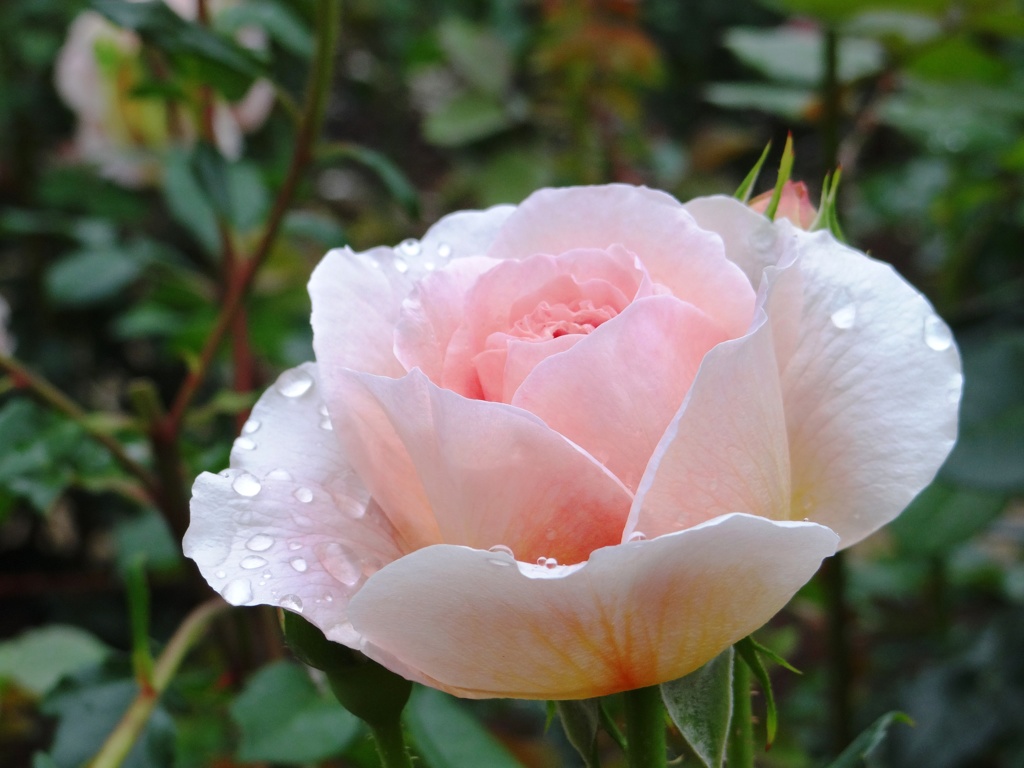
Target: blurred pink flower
123, 134
580, 445
794, 205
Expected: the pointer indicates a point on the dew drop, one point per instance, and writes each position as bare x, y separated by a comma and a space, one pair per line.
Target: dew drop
245, 444
328, 597
250, 426
299, 564
260, 543
547, 562
637, 536
496, 561
340, 562
323, 410
294, 545
429, 266
294, 383
502, 549
303, 494
937, 334
401, 265
278, 474
246, 485
291, 603
252, 562
444, 250
409, 247
326, 425
266, 575
237, 592
845, 317
345, 634
221, 574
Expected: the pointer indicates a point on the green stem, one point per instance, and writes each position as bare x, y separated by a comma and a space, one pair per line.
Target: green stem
391, 745
840, 673
741, 740
120, 742
645, 728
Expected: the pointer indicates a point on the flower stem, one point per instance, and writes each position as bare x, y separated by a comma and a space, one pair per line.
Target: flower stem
391, 745
645, 728
741, 740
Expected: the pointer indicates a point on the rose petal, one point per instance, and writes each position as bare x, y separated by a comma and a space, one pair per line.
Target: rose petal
488, 473
616, 391
357, 297
634, 615
871, 389
655, 226
726, 449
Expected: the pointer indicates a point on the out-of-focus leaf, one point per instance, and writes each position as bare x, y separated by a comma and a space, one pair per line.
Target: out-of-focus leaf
700, 704
866, 743
580, 720
796, 55
37, 659
318, 227
795, 104
511, 175
912, 28
988, 452
90, 704
468, 46
248, 194
957, 59
211, 171
40, 760
277, 19
284, 719
88, 277
943, 517
146, 320
832, 12
467, 118
396, 182
448, 736
187, 203
148, 535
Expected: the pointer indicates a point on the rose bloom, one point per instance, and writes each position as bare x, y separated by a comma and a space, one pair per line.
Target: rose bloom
581, 445
95, 73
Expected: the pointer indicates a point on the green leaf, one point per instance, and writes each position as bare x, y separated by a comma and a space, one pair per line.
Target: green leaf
467, 118
748, 653
944, 517
468, 46
395, 182
211, 171
278, 20
284, 719
92, 276
746, 187
146, 533
448, 736
188, 203
861, 748
785, 170
797, 55
791, 103
700, 704
39, 760
957, 58
36, 660
318, 227
248, 195
580, 720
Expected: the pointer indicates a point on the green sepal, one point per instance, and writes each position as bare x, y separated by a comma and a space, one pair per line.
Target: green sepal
785, 171
138, 610
580, 720
746, 188
862, 746
365, 688
828, 216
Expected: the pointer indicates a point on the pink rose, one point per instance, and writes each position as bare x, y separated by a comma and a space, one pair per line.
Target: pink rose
794, 205
580, 445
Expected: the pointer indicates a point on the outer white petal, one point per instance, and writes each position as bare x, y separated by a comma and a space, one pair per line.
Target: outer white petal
871, 387
357, 297
752, 242
478, 624
289, 524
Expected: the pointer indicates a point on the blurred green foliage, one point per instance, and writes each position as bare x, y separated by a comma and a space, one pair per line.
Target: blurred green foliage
447, 104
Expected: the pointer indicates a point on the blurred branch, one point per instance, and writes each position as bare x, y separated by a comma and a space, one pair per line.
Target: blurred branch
120, 742
327, 23
52, 396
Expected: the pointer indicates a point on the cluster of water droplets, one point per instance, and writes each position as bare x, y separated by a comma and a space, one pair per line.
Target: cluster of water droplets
410, 255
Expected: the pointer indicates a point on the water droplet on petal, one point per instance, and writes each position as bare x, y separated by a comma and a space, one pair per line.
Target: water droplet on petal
345, 634
245, 444
291, 603
252, 562
260, 543
550, 563
326, 424
294, 383
250, 426
328, 597
937, 334
637, 536
266, 575
299, 564
246, 485
444, 250
409, 247
340, 562
845, 317
221, 574
401, 265
496, 561
503, 549
322, 410
304, 495
237, 592
294, 545
278, 474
